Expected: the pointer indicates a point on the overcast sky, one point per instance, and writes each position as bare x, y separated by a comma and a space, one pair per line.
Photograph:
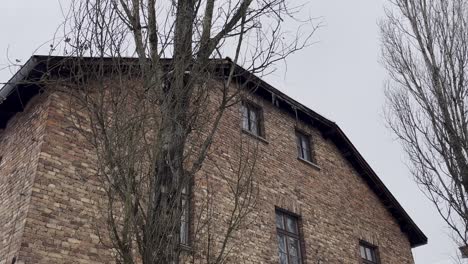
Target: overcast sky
339, 77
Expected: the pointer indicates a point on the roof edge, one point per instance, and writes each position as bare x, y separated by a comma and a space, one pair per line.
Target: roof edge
18, 77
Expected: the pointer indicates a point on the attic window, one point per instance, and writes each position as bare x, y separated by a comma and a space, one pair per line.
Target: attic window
252, 119
304, 147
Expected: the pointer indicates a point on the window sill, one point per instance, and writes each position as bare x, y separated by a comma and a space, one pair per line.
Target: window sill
262, 139
310, 163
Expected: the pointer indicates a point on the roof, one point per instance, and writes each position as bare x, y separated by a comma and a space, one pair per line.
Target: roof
23, 86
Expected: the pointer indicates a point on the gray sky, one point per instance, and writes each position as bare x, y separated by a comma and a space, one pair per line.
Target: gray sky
339, 77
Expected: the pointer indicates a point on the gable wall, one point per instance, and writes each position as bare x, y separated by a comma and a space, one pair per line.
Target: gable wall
336, 206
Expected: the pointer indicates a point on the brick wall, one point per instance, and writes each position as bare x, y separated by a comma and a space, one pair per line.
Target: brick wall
336, 206
20, 145
64, 223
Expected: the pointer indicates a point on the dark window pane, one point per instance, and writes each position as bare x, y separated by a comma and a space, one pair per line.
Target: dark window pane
372, 255
299, 147
291, 225
363, 252
253, 115
245, 117
294, 260
254, 129
305, 148
307, 155
283, 258
368, 254
279, 221
254, 121
303, 141
282, 244
293, 247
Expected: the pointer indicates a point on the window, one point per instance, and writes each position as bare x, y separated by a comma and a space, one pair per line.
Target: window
168, 192
303, 146
184, 218
368, 253
252, 119
288, 238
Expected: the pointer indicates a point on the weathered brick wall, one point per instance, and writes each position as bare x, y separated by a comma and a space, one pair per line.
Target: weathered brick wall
63, 224
337, 208
20, 145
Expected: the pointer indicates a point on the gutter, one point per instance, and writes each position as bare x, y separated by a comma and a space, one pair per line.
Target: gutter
17, 78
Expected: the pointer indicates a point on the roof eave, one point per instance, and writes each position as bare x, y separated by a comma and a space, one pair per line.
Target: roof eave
17, 78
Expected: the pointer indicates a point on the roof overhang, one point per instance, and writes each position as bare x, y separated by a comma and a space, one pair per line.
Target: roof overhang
25, 84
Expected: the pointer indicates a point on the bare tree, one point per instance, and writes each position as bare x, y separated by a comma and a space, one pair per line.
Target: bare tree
152, 118
425, 49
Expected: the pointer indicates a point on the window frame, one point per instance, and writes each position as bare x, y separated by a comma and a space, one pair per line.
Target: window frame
247, 107
374, 251
287, 234
301, 154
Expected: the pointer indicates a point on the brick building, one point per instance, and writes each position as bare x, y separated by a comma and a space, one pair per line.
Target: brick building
319, 200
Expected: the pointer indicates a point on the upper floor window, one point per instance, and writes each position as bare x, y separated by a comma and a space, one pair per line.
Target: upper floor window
288, 238
304, 150
252, 119
368, 253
